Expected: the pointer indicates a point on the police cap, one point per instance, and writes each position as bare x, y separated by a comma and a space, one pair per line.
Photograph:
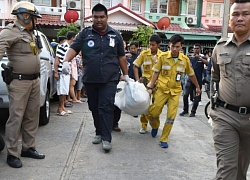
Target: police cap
25, 7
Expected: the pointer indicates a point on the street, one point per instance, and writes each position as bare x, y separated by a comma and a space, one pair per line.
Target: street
70, 155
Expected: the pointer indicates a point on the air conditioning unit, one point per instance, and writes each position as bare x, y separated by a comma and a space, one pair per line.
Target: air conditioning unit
191, 20
76, 5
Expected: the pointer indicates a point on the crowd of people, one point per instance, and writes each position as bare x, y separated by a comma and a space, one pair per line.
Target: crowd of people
70, 87
69, 84
107, 61
198, 61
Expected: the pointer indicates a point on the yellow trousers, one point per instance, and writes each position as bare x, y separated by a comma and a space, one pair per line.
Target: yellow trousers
144, 121
155, 109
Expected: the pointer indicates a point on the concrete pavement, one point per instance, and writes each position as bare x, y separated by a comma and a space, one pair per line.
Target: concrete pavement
70, 155
137, 157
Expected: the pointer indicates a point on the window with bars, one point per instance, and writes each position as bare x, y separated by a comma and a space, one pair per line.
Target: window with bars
153, 6
214, 10
106, 3
163, 6
136, 5
42, 2
209, 10
191, 7
157, 6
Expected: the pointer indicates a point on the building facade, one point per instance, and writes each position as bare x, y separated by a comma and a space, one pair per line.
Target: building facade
199, 21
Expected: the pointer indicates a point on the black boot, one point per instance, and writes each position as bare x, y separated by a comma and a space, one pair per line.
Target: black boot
183, 113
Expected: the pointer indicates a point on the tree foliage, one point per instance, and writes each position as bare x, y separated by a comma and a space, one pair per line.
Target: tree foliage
71, 27
142, 35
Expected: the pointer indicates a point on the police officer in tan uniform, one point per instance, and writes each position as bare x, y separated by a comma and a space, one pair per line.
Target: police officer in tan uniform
20, 44
230, 117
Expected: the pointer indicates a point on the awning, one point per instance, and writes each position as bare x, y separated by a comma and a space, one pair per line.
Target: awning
117, 26
195, 37
198, 37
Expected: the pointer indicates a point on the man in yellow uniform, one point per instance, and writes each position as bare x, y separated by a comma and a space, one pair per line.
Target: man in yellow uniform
22, 47
168, 72
146, 61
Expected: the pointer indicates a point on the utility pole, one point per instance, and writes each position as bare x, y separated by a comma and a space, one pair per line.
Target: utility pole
82, 12
225, 18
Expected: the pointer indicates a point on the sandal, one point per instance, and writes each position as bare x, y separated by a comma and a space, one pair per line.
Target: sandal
77, 101
69, 112
83, 100
68, 104
62, 113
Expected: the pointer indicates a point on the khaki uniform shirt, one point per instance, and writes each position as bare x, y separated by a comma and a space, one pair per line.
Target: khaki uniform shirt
20, 46
231, 68
168, 69
146, 61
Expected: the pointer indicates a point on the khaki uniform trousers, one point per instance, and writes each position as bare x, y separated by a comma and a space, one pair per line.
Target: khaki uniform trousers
155, 109
24, 97
231, 134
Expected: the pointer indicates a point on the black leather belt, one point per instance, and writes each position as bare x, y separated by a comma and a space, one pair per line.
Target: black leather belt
25, 77
240, 110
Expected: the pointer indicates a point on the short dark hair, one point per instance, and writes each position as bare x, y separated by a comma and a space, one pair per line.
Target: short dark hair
61, 38
136, 44
155, 38
176, 38
70, 35
99, 7
241, 1
198, 45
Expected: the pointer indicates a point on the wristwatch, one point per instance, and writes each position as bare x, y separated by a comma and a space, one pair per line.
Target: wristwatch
149, 88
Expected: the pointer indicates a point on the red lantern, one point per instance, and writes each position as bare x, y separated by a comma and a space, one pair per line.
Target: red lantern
71, 16
163, 23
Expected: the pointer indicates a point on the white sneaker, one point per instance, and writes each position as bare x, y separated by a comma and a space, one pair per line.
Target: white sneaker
191, 103
200, 103
106, 145
142, 131
97, 139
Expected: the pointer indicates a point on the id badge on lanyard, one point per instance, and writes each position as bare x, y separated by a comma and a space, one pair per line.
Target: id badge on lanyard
178, 76
112, 42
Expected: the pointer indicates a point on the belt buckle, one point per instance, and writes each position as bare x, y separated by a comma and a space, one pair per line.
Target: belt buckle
242, 110
19, 76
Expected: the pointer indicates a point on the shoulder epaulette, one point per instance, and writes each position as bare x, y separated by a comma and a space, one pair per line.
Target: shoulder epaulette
164, 53
145, 51
9, 26
88, 28
223, 39
185, 57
